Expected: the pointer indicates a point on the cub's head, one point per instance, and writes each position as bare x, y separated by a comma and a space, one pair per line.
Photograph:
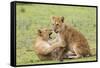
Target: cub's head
57, 22
45, 33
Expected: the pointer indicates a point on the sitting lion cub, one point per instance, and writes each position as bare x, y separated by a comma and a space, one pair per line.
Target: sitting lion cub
43, 48
73, 40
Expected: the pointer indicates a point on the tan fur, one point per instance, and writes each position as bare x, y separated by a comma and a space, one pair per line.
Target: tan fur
44, 49
73, 40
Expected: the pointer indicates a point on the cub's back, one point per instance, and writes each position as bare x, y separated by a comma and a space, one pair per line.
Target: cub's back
41, 47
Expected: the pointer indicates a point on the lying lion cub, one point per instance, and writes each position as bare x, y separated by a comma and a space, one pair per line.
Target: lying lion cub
43, 48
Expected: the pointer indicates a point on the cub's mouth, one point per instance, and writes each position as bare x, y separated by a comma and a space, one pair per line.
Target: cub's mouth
56, 31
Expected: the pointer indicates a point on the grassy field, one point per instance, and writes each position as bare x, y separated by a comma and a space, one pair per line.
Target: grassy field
32, 17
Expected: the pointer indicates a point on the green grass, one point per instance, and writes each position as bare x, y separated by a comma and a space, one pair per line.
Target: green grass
32, 17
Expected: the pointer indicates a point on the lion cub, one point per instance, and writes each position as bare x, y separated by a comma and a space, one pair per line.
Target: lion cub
73, 40
43, 48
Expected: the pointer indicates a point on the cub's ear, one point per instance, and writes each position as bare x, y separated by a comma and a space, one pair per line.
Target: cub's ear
62, 18
53, 17
39, 32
